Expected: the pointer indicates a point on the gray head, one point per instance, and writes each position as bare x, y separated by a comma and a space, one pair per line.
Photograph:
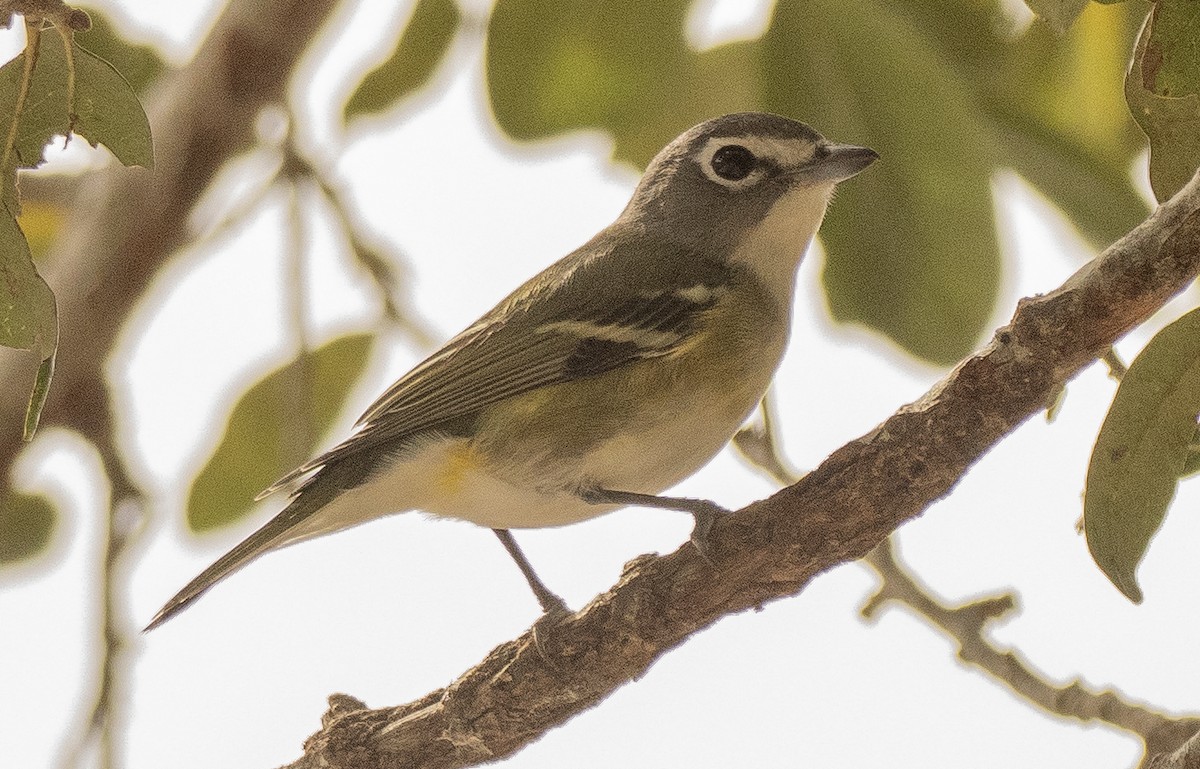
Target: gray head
727, 174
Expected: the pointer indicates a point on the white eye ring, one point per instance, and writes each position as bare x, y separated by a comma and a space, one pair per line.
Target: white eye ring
767, 151
709, 162
733, 162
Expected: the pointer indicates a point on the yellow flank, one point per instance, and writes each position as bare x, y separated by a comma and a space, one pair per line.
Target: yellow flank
460, 459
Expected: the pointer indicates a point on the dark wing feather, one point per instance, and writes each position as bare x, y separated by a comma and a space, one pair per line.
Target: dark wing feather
515, 349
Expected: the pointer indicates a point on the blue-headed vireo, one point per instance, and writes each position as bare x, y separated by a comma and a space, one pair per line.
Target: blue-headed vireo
611, 376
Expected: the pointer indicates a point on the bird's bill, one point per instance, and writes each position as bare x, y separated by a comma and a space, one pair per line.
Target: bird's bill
839, 162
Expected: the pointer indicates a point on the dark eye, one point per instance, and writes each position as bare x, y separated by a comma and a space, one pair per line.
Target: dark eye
733, 162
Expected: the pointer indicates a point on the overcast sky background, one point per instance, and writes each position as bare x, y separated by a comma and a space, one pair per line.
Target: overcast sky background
391, 610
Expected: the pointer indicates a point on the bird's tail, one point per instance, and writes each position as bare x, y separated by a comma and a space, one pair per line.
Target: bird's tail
330, 478
273, 534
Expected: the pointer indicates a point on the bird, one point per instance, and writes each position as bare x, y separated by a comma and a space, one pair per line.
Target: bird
602, 381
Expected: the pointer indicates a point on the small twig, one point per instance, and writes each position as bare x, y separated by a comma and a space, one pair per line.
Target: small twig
758, 444
381, 269
33, 36
102, 721
104, 718
301, 432
1116, 366
68, 40
967, 623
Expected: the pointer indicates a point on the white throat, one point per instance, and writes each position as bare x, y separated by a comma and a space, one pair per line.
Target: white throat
774, 247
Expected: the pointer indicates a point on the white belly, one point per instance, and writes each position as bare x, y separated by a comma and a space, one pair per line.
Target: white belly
450, 477
543, 491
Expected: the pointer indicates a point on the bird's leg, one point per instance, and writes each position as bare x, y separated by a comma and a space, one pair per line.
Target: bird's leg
704, 511
551, 603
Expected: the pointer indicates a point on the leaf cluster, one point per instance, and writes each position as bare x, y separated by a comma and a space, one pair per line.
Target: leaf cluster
54, 88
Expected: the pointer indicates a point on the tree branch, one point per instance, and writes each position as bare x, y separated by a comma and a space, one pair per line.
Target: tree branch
966, 625
771, 549
1186, 757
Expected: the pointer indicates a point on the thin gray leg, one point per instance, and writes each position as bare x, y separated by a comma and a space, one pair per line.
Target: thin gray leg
550, 602
704, 511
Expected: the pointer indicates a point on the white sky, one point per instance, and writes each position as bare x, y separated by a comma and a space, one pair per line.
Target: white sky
393, 609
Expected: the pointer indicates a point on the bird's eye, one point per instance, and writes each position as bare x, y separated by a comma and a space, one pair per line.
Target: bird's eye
733, 162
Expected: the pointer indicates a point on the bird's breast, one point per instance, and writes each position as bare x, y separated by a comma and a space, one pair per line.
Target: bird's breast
643, 427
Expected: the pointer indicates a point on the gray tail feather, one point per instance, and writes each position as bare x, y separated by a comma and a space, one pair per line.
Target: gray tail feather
318, 490
266, 538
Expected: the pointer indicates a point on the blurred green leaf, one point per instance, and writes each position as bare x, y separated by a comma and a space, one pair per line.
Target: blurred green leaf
27, 315
41, 221
1056, 104
620, 65
1059, 14
1163, 89
421, 47
1091, 189
261, 441
105, 108
139, 64
948, 92
109, 111
1191, 465
1142, 451
26, 526
912, 243
37, 398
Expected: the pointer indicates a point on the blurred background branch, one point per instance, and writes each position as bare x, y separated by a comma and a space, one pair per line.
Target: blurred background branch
123, 226
967, 624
